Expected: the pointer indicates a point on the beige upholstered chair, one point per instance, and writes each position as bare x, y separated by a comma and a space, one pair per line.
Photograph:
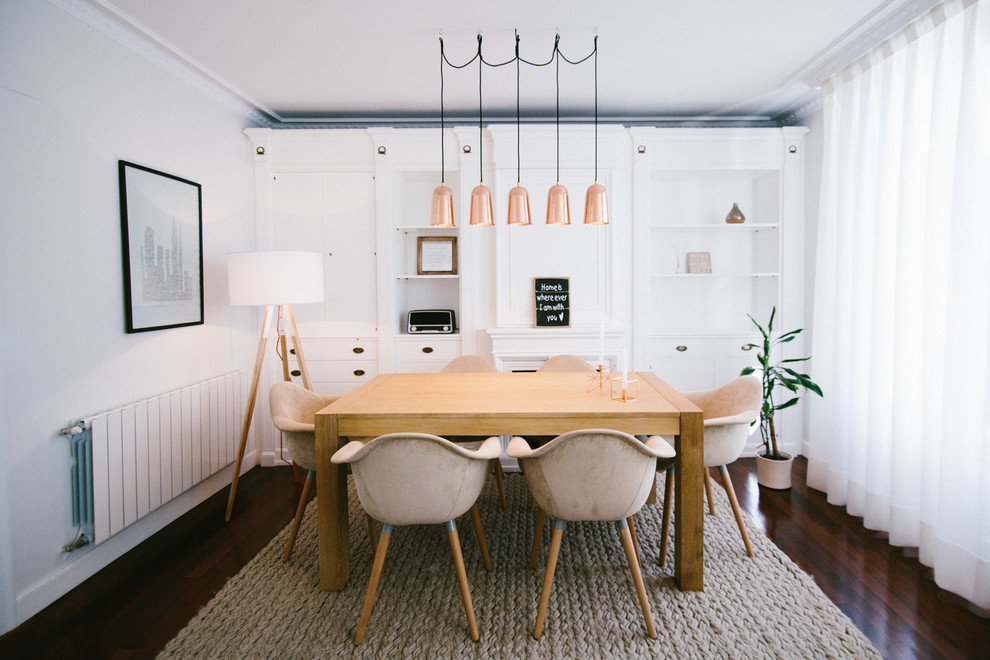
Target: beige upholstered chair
419, 479
592, 474
565, 363
729, 413
469, 364
477, 364
293, 412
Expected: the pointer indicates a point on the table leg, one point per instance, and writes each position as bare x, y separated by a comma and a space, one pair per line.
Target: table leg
689, 496
331, 502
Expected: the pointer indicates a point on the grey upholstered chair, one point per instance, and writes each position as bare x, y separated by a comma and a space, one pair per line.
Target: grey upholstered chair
593, 474
729, 413
419, 479
293, 411
477, 364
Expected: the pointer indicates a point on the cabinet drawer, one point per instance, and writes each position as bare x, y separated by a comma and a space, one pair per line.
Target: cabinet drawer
685, 347
432, 349
360, 348
338, 371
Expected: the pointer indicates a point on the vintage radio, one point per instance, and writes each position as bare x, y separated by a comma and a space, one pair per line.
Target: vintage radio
431, 321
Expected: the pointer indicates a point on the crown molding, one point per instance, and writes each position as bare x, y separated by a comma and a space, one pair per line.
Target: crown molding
121, 28
877, 26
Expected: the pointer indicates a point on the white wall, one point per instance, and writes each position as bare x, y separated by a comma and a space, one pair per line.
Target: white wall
73, 102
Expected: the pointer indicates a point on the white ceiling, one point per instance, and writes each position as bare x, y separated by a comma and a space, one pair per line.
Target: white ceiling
331, 60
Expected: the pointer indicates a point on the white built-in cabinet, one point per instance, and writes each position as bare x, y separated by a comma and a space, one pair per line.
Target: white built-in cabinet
694, 328
362, 197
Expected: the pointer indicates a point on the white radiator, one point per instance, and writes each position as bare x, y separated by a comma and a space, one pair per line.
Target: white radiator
133, 459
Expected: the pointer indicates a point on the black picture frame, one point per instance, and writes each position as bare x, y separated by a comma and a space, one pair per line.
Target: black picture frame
161, 221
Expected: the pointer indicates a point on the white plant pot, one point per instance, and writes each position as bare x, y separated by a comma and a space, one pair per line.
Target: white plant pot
774, 474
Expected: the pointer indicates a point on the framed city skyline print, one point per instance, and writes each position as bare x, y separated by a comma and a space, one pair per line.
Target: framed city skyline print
161, 218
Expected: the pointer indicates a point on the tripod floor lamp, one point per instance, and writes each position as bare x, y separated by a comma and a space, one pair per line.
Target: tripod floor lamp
276, 280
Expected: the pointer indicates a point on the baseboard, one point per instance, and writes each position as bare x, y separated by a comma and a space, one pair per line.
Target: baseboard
88, 561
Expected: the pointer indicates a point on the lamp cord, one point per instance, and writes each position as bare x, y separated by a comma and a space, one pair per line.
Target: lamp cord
481, 140
555, 58
596, 107
442, 163
518, 159
556, 54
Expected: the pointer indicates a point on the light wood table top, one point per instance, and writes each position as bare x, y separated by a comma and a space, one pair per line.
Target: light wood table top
475, 404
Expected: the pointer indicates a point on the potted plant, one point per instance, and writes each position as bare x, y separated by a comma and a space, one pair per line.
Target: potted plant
774, 466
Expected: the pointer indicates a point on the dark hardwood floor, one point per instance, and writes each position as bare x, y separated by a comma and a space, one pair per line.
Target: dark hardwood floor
134, 606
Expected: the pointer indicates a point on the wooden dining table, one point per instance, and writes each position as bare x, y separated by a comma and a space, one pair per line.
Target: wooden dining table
478, 404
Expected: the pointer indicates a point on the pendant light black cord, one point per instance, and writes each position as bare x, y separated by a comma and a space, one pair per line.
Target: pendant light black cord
518, 161
442, 58
556, 55
596, 107
555, 58
481, 140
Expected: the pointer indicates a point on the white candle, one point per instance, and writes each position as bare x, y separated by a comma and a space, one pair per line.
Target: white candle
601, 347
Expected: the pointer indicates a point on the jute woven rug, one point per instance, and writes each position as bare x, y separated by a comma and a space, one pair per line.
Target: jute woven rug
762, 607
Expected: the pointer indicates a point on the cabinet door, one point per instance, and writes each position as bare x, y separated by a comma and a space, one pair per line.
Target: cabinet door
332, 212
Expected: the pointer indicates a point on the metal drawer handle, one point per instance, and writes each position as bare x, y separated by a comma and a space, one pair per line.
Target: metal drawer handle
292, 350
296, 372
359, 372
427, 349
358, 349
682, 348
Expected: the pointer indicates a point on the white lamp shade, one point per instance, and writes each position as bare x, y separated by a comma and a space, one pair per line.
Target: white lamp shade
275, 278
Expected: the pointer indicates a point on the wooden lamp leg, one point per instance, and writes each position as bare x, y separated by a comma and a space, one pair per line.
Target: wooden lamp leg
249, 411
297, 345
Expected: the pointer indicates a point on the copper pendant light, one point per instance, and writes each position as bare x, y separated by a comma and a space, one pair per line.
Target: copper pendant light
518, 196
595, 201
481, 196
558, 205
442, 208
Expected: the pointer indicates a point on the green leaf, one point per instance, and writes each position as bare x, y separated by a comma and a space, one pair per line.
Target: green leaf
795, 360
787, 404
747, 371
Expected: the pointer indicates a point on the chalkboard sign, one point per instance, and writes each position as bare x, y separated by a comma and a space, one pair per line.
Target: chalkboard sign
553, 302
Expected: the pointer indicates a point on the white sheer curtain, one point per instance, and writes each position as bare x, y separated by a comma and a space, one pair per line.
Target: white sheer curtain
902, 299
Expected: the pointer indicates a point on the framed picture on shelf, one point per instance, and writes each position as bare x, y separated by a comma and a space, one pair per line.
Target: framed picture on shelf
699, 262
436, 255
161, 219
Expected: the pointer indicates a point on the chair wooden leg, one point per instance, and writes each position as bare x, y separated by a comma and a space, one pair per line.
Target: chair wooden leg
537, 537
637, 576
307, 486
532, 503
708, 492
376, 574
500, 482
372, 533
541, 614
455, 550
668, 502
632, 533
724, 471
480, 535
